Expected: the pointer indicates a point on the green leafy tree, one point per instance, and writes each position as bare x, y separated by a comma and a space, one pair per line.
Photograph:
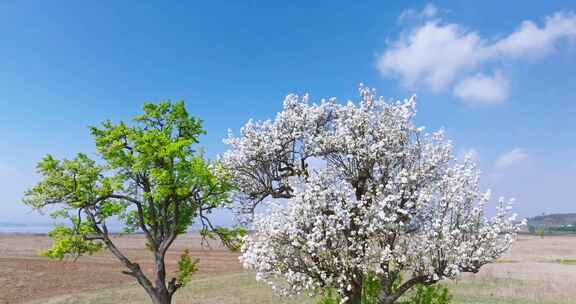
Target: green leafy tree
150, 178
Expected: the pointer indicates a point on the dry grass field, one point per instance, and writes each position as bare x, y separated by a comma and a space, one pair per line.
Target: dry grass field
534, 271
25, 276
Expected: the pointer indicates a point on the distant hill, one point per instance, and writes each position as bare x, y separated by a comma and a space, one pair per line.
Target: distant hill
559, 222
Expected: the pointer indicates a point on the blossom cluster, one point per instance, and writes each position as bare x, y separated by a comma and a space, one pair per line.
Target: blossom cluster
359, 189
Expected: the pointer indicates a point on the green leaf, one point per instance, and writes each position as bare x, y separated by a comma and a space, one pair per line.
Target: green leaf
71, 242
186, 267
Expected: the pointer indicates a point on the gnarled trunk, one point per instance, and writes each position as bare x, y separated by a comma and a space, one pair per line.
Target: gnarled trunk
161, 298
163, 295
354, 295
159, 293
387, 296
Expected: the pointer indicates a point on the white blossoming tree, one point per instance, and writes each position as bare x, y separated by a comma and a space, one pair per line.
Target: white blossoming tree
360, 191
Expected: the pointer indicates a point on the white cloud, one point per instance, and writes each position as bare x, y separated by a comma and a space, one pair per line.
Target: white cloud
529, 40
428, 11
510, 158
436, 54
482, 89
432, 55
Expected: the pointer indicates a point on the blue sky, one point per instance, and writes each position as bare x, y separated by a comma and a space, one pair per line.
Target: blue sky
499, 77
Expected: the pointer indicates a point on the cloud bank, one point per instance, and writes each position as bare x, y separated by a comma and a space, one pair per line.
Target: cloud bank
445, 57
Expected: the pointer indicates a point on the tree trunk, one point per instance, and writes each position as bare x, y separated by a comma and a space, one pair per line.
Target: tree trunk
158, 296
162, 295
389, 297
161, 298
354, 295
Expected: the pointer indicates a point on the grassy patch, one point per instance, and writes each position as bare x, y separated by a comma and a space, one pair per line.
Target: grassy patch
566, 261
236, 288
505, 261
502, 291
242, 288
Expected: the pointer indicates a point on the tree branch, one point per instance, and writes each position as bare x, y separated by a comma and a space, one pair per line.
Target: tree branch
134, 268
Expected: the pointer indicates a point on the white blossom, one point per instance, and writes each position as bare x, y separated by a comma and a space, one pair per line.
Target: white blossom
390, 199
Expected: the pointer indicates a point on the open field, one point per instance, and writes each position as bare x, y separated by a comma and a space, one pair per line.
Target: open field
535, 271
25, 276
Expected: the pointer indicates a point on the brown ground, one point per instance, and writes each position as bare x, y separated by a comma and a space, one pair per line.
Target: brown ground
535, 268
25, 276
535, 271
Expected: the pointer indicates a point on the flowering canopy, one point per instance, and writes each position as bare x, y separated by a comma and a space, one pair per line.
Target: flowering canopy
361, 190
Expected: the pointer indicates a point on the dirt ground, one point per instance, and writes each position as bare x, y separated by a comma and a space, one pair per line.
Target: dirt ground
542, 269
26, 276
535, 271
